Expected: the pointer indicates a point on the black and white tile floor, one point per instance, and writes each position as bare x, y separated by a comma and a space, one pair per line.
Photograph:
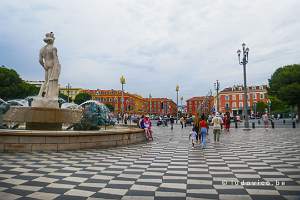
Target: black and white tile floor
245, 165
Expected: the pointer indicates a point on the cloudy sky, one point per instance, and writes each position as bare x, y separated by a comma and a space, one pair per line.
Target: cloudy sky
155, 44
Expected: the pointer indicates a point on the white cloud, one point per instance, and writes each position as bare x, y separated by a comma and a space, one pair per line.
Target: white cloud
155, 44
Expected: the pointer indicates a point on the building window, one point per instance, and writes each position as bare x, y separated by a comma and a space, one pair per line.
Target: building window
226, 97
241, 104
261, 87
227, 105
233, 104
262, 96
241, 97
233, 97
254, 96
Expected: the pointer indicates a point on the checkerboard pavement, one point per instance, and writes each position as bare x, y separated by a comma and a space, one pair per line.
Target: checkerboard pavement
167, 168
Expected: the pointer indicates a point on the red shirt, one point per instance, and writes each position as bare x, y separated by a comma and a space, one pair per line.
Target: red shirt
203, 124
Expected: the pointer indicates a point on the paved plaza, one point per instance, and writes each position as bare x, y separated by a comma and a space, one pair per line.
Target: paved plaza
258, 164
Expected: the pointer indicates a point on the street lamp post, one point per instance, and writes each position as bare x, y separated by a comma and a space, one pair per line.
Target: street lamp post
68, 91
150, 104
122, 81
182, 109
244, 62
217, 87
255, 114
177, 90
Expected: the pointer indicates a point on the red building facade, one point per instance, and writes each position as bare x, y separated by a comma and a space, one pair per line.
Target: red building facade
232, 99
161, 106
133, 104
202, 104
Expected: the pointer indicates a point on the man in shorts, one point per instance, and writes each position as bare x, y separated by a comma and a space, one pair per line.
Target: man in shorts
217, 122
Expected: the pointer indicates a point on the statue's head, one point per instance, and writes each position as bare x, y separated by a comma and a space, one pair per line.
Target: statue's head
49, 39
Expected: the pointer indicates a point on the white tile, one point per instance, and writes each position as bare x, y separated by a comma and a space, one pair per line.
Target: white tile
143, 187
288, 188
113, 191
153, 173
75, 179
94, 185
59, 185
137, 198
102, 177
199, 182
14, 181
8, 196
174, 185
202, 191
262, 192
43, 195
247, 175
169, 194
150, 180
45, 179
60, 174
27, 187
81, 193
234, 197
121, 182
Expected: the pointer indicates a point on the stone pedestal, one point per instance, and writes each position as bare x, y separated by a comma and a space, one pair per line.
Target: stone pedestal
42, 118
43, 126
43, 102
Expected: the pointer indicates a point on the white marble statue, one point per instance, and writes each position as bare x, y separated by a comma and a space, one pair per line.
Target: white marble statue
48, 94
49, 60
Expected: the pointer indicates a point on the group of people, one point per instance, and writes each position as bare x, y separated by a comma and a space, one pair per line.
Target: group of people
200, 129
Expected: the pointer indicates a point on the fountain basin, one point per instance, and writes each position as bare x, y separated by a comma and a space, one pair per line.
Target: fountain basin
38, 118
34, 140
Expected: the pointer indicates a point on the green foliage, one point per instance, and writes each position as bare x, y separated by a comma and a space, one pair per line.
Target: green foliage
278, 106
64, 97
110, 107
285, 84
261, 107
82, 97
13, 87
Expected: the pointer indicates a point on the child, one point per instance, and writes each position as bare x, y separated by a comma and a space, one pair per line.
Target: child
194, 137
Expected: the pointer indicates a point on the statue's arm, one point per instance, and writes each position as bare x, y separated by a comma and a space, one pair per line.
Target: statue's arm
41, 60
55, 53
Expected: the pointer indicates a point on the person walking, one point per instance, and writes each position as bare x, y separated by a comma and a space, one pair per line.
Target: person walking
227, 122
182, 122
217, 122
197, 128
265, 118
203, 128
172, 121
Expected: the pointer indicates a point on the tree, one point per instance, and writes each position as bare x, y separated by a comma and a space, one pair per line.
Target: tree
64, 97
261, 107
13, 87
278, 106
110, 107
82, 97
285, 85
